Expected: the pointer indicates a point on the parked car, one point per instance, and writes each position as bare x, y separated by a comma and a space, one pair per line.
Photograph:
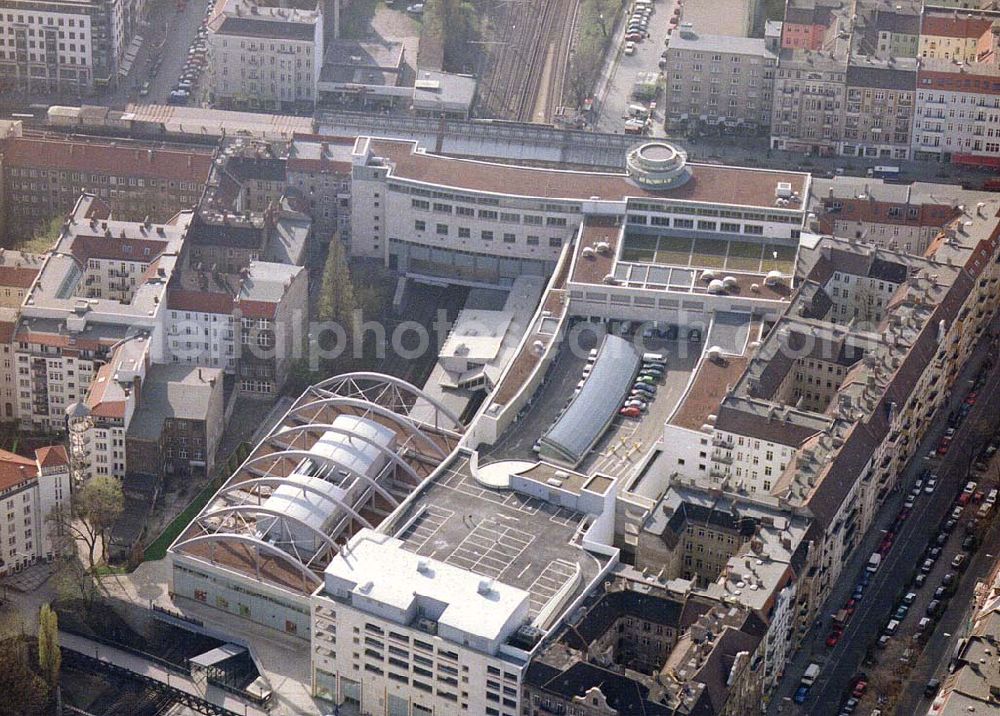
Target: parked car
931, 484
933, 608
415, 9
927, 566
630, 412
801, 694
959, 561
956, 514
630, 48
900, 613
834, 636
921, 579
932, 687
969, 543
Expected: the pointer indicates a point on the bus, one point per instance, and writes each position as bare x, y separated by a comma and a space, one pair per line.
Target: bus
884, 172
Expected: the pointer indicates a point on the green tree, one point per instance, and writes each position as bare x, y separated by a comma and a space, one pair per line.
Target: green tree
25, 692
49, 654
336, 298
455, 24
93, 511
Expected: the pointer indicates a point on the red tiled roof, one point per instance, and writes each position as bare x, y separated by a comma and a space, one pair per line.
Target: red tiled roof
101, 157
200, 301
61, 340
95, 398
952, 26
958, 81
52, 456
257, 309
708, 182
17, 276
15, 469
116, 248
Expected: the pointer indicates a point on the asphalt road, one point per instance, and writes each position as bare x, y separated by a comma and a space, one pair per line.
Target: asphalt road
954, 625
621, 70
843, 661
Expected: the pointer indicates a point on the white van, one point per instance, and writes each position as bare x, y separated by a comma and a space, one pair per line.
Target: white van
874, 561
653, 358
812, 671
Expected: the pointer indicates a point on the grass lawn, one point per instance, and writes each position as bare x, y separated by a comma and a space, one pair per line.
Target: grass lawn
157, 549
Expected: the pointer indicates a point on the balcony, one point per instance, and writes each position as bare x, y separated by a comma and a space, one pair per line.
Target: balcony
722, 456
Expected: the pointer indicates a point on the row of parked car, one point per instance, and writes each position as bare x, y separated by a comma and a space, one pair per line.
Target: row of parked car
924, 486
654, 367
195, 63
637, 28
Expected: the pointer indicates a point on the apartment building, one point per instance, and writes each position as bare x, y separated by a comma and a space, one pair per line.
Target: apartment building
44, 175
252, 324
810, 99
63, 45
264, 55
898, 217
178, 424
716, 82
31, 489
272, 308
887, 30
590, 668
102, 285
963, 37
318, 169
806, 23
878, 112
957, 113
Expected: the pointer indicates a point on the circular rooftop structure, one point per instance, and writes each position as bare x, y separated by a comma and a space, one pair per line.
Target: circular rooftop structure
658, 166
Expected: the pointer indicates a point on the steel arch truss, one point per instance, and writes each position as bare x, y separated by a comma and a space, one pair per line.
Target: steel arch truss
241, 510
390, 392
326, 428
260, 545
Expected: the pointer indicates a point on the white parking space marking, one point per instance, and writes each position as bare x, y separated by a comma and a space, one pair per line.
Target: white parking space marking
551, 580
490, 548
424, 527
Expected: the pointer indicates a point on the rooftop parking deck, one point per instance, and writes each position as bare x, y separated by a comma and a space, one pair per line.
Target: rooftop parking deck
519, 540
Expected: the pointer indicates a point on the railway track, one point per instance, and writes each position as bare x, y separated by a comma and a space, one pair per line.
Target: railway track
532, 44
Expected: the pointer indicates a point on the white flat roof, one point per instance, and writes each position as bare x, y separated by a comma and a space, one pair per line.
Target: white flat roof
377, 571
477, 335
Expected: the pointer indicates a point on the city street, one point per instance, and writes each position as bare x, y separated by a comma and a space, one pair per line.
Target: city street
940, 648
840, 663
620, 69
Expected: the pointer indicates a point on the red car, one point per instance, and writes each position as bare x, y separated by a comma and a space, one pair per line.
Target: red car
943, 446
630, 412
885, 546
859, 689
634, 37
903, 514
970, 399
834, 637
850, 606
963, 499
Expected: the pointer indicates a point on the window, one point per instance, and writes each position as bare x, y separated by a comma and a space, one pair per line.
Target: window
419, 225
441, 229
508, 238
487, 236
463, 232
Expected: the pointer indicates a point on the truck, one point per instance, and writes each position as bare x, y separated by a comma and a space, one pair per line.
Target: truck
873, 562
